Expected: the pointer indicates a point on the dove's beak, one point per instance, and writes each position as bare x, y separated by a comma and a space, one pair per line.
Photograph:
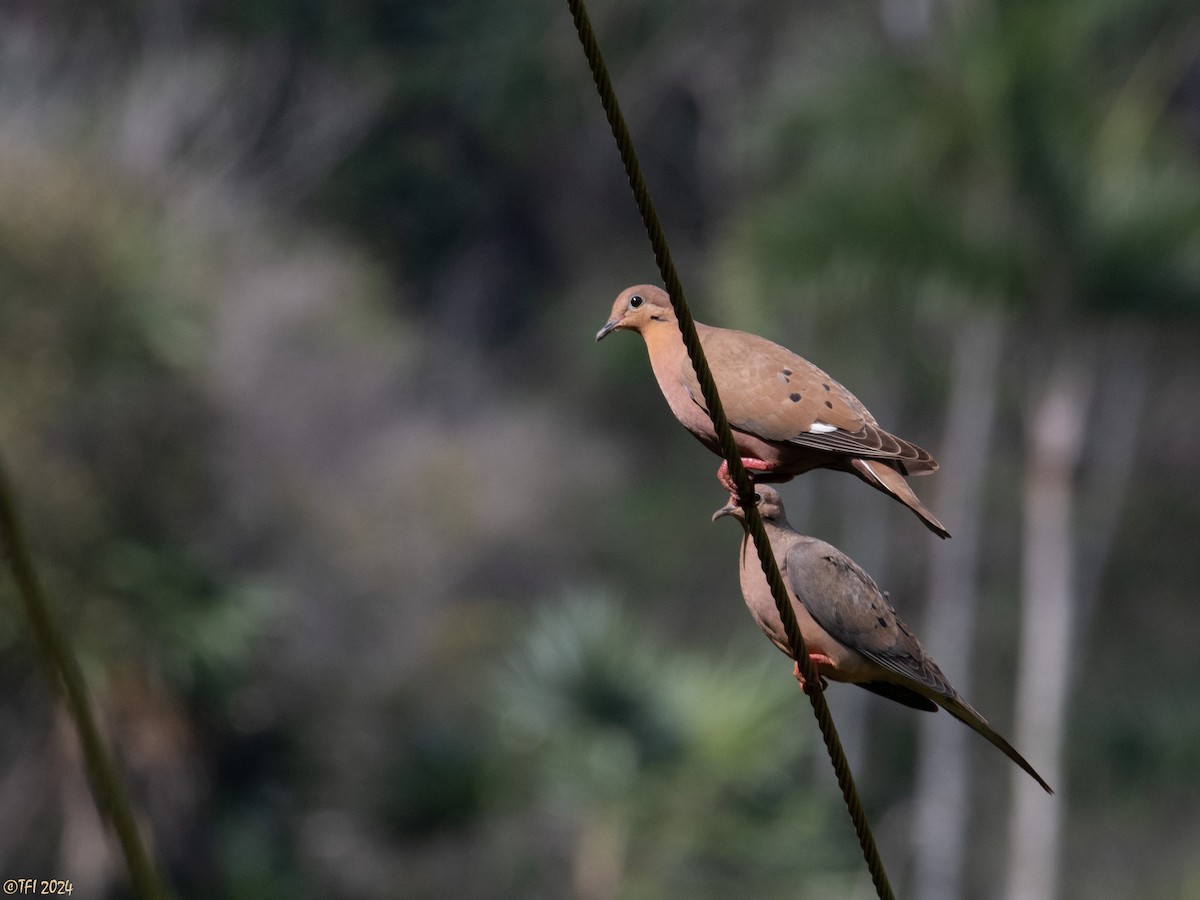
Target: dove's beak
732, 508
609, 327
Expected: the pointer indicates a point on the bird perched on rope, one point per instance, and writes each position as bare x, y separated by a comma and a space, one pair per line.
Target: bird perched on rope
850, 630
788, 416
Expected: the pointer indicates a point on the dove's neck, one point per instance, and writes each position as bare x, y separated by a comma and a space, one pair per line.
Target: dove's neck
667, 351
673, 372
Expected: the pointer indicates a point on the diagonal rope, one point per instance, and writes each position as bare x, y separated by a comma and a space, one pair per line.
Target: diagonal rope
729, 450
65, 676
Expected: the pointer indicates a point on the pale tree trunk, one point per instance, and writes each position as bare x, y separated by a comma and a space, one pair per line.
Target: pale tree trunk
85, 847
1116, 426
867, 539
599, 862
866, 533
942, 797
1048, 613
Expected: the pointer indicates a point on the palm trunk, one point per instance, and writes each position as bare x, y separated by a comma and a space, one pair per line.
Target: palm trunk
869, 537
942, 798
1049, 600
1106, 483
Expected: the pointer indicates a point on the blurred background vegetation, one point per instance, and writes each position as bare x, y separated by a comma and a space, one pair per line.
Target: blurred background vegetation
388, 582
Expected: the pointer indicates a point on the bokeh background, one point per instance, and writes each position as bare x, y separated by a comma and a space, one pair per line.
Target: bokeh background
388, 582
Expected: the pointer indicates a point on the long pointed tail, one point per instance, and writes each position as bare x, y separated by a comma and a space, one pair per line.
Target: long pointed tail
884, 478
963, 711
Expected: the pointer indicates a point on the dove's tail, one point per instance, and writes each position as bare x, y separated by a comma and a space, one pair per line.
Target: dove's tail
965, 713
881, 476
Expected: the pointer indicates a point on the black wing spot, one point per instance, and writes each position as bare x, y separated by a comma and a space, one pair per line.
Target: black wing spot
827, 387
787, 372
795, 398
830, 405
882, 621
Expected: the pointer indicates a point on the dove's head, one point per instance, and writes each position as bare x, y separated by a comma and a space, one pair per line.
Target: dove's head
637, 309
766, 498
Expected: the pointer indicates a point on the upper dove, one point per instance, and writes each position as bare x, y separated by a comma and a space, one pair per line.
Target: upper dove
788, 417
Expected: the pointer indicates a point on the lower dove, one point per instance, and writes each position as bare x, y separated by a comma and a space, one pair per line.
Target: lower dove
850, 630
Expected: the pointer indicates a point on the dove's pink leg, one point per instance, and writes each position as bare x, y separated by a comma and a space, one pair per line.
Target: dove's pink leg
818, 659
752, 464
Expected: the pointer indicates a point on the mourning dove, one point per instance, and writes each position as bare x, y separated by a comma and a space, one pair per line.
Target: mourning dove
851, 632
788, 416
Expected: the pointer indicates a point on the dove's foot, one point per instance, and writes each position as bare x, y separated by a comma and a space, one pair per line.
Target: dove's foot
818, 659
750, 463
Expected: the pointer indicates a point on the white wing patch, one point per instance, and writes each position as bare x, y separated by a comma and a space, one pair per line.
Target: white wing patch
821, 428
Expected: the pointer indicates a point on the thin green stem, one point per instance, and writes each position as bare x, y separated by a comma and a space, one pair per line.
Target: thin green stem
55, 651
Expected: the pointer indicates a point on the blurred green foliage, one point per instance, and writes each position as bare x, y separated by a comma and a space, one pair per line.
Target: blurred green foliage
681, 772
320, 461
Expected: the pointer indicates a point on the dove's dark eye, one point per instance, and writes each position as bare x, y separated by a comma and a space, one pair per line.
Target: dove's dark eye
757, 499
635, 301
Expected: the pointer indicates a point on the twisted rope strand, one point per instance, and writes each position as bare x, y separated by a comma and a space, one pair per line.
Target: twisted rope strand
729, 450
